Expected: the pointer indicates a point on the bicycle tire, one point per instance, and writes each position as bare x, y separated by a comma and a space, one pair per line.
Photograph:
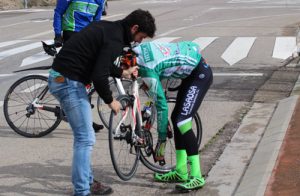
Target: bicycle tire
170, 155
124, 137
18, 98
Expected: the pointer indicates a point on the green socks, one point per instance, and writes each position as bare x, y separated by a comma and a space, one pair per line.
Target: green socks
195, 166
181, 161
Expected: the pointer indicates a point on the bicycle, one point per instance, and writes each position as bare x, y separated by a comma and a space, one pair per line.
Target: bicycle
133, 134
29, 108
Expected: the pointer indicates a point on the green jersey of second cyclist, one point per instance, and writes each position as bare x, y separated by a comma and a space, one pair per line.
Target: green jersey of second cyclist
158, 61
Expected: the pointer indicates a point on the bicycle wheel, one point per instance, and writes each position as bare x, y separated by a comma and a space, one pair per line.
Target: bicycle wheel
170, 153
20, 113
103, 109
123, 152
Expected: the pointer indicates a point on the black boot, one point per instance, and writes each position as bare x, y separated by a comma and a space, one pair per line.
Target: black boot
97, 127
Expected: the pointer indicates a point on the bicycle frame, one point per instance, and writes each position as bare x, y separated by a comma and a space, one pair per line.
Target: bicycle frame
136, 110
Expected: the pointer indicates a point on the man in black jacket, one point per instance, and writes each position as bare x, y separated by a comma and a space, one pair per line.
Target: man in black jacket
88, 57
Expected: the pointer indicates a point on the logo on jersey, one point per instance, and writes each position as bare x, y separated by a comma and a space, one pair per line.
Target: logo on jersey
164, 50
190, 100
147, 52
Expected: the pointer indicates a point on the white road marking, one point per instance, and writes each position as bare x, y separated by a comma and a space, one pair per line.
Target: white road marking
204, 41
27, 10
41, 56
9, 43
18, 50
224, 21
238, 49
33, 88
166, 39
1, 103
6, 75
284, 47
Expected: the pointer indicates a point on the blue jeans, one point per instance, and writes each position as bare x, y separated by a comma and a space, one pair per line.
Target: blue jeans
73, 99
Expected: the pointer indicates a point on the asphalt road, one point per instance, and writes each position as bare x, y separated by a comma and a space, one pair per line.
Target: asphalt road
244, 41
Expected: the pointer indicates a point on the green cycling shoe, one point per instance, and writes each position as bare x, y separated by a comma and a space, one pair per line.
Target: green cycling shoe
193, 183
172, 176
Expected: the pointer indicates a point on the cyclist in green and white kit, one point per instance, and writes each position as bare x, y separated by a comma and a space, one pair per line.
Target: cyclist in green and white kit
181, 60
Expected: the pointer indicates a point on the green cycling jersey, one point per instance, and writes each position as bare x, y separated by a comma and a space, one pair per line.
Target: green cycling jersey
158, 61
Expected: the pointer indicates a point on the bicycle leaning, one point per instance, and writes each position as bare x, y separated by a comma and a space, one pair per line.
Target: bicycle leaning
132, 133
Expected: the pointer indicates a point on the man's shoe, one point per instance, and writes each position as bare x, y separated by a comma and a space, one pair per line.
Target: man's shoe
172, 176
97, 127
98, 188
193, 183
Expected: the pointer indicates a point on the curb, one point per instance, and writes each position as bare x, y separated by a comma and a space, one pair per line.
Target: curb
258, 173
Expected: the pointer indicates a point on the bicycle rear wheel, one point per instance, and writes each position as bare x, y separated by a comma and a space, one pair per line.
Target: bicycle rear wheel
20, 113
170, 153
123, 152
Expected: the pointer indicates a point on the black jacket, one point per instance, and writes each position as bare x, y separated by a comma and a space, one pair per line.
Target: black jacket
89, 55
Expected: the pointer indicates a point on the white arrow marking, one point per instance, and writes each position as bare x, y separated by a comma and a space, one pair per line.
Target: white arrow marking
204, 41
284, 47
166, 39
14, 51
238, 49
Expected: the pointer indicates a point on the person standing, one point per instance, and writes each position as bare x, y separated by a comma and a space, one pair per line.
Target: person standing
71, 16
88, 57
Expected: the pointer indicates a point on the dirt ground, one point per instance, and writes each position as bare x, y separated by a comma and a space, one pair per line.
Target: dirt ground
18, 4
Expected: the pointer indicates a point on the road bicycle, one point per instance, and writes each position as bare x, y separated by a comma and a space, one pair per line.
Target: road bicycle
31, 110
132, 134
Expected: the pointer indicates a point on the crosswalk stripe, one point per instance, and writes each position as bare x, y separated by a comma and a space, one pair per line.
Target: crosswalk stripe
6, 75
166, 39
284, 47
14, 51
204, 41
238, 49
41, 56
9, 43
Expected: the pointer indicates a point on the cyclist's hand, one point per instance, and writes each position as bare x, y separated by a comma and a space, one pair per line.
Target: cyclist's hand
115, 106
160, 151
58, 41
127, 73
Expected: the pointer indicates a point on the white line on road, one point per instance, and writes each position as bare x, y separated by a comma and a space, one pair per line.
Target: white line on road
112, 16
224, 21
284, 47
1, 103
238, 49
204, 41
41, 56
6, 75
14, 51
166, 39
9, 43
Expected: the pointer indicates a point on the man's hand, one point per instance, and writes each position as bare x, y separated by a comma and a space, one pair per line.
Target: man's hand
115, 106
160, 152
131, 71
58, 41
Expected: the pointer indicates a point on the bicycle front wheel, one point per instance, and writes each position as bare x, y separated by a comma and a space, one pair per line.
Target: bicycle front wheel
124, 153
170, 151
21, 114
